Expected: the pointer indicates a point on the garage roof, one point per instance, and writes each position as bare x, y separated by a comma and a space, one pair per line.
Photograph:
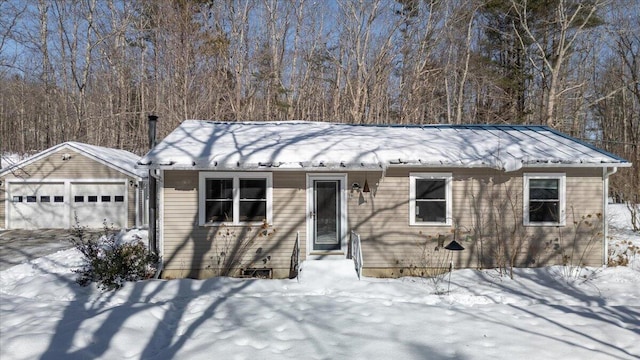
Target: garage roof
299, 144
121, 160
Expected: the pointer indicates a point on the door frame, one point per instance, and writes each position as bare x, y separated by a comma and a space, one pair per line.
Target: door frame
344, 236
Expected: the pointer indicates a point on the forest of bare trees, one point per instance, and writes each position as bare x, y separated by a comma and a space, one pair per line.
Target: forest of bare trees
92, 70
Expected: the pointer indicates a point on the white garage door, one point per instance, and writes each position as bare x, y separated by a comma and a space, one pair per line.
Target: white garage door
96, 203
37, 206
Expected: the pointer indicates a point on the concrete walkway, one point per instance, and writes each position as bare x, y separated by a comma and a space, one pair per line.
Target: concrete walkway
19, 246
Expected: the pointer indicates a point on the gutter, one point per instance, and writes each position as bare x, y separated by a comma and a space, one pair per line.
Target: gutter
605, 201
360, 166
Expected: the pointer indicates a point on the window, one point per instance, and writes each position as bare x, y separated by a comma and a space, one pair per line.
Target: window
58, 199
31, 198
16, 199
219, 200
118, 198
78, 198
235, 198
544, 199
430, 199
105, 198
253, 199
45, 199
92, 198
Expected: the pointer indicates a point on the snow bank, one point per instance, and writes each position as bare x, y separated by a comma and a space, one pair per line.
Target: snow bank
327, 314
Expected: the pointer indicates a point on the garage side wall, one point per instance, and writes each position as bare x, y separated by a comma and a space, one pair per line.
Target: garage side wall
69, 165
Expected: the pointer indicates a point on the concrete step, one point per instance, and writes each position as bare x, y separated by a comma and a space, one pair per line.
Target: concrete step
327, 271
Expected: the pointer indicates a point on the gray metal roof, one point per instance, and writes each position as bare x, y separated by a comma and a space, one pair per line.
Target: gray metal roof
292, 145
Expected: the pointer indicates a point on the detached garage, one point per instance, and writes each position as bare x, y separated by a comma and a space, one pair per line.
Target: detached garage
73, 181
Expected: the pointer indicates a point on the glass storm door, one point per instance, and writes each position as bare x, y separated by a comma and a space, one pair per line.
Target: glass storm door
326, 215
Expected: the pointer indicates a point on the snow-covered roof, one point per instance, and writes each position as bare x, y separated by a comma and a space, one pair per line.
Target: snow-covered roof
121, 160
301, 145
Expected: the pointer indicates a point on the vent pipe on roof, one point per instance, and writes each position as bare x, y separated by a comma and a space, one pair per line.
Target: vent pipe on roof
153, 120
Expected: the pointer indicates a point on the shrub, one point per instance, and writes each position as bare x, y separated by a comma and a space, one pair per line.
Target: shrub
232, 246
109, 262
622, 253
434, 263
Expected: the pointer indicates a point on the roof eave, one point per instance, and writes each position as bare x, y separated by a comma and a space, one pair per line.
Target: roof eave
360, 167
576, 165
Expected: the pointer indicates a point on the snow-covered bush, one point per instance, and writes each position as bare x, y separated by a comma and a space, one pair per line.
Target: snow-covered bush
110, 262
622, 253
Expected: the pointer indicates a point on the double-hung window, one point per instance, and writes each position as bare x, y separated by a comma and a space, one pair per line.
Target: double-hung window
235, 198
544, 199
430, 199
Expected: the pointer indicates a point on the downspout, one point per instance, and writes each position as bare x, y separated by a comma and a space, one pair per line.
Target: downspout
153, 244
137, 202
153, 240
605, 201
159, 174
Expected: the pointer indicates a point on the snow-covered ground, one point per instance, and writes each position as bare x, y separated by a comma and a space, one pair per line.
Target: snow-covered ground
328, 314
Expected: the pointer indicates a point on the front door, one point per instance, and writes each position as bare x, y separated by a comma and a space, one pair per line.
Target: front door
326, 218
326, 222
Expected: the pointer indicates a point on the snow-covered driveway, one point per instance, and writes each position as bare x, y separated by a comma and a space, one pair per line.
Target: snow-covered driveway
19, 246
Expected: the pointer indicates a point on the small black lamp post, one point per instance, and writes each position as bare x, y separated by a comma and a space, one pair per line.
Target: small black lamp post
452, 246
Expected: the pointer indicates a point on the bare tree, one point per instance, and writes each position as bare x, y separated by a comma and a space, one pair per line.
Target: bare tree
366, 31
68, 70
617, 103
553, 29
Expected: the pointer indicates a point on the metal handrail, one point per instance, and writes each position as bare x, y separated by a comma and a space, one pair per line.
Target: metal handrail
295, 258
356, 252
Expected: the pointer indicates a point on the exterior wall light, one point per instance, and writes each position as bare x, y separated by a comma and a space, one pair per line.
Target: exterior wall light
366, 187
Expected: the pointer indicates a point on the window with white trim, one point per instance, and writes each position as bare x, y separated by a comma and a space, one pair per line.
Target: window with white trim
234, 198
544, 199
430, 198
